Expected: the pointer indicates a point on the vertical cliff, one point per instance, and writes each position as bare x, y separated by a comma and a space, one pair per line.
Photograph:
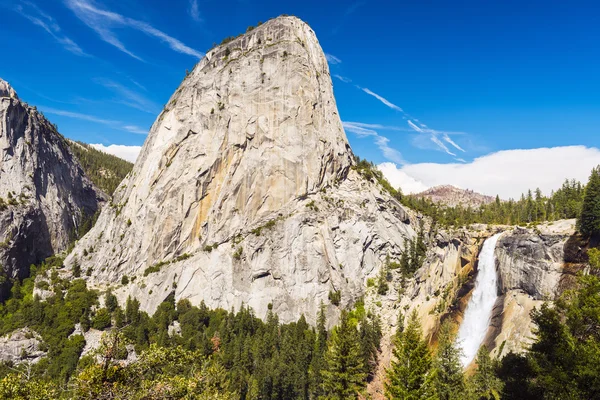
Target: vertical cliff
44, 194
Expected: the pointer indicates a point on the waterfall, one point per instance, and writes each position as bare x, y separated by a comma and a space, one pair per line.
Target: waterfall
479, 309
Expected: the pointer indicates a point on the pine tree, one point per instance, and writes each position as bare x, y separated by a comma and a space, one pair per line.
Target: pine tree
589, 220
344, 377
318, 360
411, 375
370, 340
110, 301
449, 379
484, 384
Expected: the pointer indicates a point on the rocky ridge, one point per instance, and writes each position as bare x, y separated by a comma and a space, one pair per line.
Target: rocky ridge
45, 196
452, 196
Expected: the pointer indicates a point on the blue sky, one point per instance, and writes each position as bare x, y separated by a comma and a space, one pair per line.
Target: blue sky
415, 82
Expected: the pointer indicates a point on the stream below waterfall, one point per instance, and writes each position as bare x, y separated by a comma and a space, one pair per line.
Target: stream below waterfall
478, 313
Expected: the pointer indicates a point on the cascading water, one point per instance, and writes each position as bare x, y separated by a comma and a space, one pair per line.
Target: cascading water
478, 314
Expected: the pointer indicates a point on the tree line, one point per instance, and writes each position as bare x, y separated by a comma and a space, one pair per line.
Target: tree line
531, 207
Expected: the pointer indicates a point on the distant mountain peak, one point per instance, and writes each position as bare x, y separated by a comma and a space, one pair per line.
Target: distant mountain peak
452, 196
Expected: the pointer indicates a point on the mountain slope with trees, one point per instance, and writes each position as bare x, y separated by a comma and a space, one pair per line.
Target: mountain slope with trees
105, 170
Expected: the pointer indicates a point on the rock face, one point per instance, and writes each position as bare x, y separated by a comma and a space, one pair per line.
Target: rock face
530, 266
244, 187
45, 195
20, 346
452, 196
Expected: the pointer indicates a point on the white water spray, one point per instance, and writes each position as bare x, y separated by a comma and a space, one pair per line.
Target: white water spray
479, 309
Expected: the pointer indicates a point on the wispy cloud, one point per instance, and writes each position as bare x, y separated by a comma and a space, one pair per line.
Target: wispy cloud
447, 139
38, 17
195, 11
85, 117
129, 97
438, 138
342, 78
381, 127
135, 129
103, 22
441, 145
382, 99
331, 59
353, 7
345, 16
415, 127
91, 118
382, 142
435, 136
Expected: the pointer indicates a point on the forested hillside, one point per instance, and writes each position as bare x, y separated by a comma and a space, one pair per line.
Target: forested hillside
105, 170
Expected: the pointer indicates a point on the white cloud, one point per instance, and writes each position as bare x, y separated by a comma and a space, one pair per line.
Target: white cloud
195, 11
400, 179
103, 22
382, 99
507, 173
38, 17
129, 153
331, 59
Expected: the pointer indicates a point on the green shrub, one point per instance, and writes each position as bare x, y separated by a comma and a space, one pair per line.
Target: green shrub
335, 297
101, 320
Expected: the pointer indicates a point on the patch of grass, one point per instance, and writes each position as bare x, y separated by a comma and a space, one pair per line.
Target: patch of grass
312, 206
238, 253
155, 268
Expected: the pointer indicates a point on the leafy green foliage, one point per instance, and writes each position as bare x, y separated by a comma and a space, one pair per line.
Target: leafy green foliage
54, 319
105, 170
